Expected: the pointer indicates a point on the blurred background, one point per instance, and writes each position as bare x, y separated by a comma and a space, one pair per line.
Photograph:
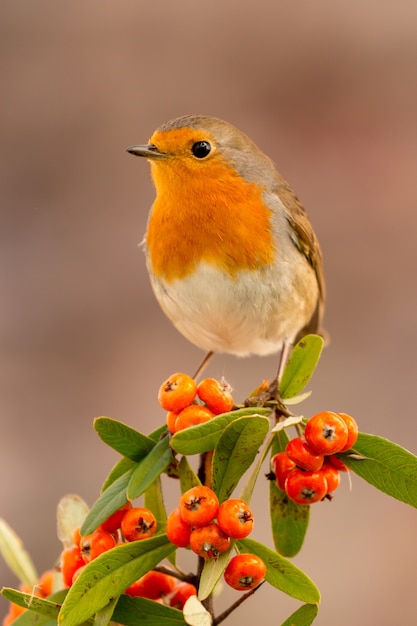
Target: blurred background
329, 91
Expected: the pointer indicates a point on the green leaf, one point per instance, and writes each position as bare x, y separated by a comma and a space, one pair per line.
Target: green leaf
289, 521
16, 557
301, 365
304, 616
154, 500
110, 500
387, 466
212, 570
204, 437
157, 434
282, 574
103, 617
140, 611
188, 478
121, 467
125, 440
109, 575
235, 453
149, 468
249, 486
48, 608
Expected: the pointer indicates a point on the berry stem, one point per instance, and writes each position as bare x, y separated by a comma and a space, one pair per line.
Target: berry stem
220, 618
204, 470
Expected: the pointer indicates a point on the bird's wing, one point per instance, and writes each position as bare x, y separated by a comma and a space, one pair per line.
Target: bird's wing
305, 240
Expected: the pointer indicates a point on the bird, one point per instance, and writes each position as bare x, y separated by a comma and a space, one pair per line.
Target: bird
232, 256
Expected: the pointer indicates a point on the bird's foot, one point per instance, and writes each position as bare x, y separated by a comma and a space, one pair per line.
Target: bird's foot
266, 394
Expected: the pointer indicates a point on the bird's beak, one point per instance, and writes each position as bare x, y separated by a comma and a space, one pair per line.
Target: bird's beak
149, 151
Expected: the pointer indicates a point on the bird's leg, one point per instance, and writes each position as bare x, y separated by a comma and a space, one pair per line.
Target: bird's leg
203, 364
272, 393
283, 357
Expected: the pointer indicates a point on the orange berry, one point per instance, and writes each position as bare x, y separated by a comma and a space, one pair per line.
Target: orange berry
153, 585
76, 536
353, 431
326, 433
70, 561
91, 546
244, 572
181, 593
171, 419
281, 465
216, 395
235, 518
209, 541
192, 416
305, 487
331, 475
138, 523
178, 532
303, 455
112, 523
198, 506
177, 392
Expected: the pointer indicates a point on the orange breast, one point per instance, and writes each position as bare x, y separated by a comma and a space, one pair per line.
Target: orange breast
209, 214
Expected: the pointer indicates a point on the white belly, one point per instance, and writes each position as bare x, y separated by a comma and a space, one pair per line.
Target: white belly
252, 314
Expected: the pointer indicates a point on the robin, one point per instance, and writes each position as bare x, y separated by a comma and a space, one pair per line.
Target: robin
232, 257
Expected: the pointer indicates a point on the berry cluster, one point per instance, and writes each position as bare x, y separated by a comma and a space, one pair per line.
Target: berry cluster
199, 522
126, 524
308, 471
189, 404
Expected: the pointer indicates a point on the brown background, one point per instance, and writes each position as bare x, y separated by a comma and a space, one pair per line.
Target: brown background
329, 90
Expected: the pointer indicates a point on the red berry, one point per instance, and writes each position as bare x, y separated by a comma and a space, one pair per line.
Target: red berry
235, 518
244, 572
331, 475
303, 455
178, 532
192, 416
216, 395
305, 487
70, 561
153, 585
177, 392
171, 418
138, 523
96, 543
352, 431
198, 506
281, 465
180, 595
326, 433
209, 541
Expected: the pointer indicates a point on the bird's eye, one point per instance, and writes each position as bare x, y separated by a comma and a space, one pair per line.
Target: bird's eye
201, 149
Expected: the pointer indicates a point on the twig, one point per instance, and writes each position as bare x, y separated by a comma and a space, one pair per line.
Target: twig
220, 618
